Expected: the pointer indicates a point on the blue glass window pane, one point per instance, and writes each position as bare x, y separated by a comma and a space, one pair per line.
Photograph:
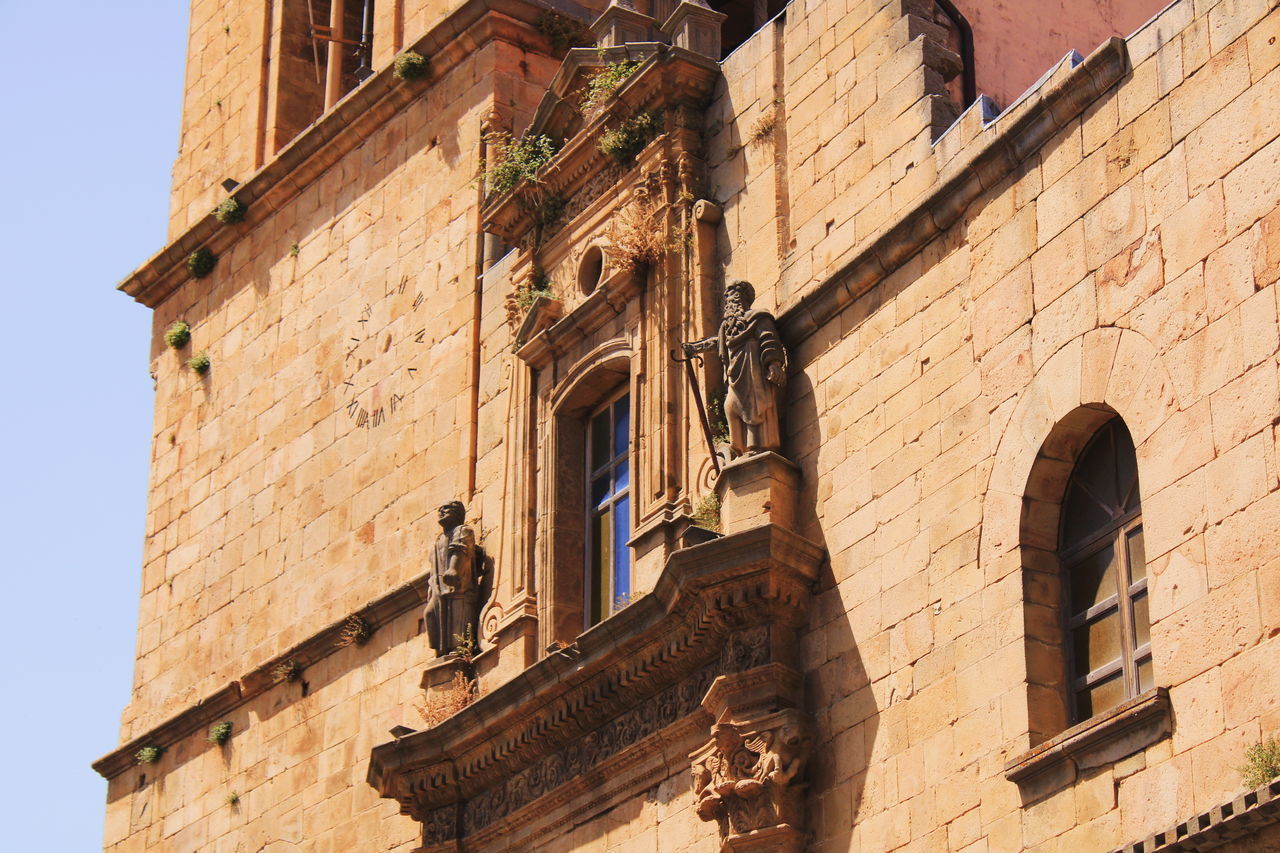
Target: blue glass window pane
621, 553
599, 490
622, 425
600, 455
599, 594
622, 476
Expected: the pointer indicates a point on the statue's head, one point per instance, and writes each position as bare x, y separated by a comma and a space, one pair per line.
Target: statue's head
740, 293
452, 514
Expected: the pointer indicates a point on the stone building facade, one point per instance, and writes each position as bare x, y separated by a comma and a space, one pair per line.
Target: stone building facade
1009, 579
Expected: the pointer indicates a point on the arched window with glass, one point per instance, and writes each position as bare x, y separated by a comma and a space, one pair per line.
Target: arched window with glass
1104, 571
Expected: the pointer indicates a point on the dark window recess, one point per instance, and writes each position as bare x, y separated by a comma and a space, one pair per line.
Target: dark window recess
313, 37
746, 17
1104, 572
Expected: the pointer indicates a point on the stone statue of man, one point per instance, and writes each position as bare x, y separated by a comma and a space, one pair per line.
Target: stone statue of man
755, 371
453, 589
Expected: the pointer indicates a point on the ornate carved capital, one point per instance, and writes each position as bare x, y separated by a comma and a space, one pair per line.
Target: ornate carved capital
748, 778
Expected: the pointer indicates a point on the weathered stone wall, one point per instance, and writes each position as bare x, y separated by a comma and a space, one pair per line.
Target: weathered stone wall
1131, 262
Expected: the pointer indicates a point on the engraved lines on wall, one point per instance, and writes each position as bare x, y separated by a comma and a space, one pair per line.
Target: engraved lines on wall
383, 355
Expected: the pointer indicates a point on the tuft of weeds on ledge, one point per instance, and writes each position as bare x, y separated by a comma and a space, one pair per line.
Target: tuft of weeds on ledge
621, 602
294, 249
200, 362
178, 335
220, 733
538, 287
464, 646
603, 84
442, 704
1261, 763
149, 754
233, 799
411, 65
715, 417
516, 160
706, 513
201, 262
231, 211
636, 236
289, 670
356, 631
762, 131
625, 141
562, 31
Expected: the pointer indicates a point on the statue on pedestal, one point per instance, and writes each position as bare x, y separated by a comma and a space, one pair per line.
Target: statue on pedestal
454, 586
755, 371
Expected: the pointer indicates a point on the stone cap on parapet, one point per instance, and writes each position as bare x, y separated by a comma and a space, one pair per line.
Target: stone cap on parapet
351, 121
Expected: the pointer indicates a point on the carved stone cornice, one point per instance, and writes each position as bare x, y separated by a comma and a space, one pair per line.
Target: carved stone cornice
725, 606
544, 334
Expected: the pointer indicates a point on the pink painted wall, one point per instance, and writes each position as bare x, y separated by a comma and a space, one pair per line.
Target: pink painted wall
1016, 41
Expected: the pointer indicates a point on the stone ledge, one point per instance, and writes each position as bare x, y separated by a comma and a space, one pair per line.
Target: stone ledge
315, 648
1105, 738
1240, 818
338, 132
992, 155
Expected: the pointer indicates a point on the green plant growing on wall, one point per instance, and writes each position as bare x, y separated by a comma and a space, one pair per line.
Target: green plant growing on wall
715, 417
625, 141
706, 513
356, 631
464, 646
201, 262
1261, 763
220, 733
562, 31
516, 160
411, 65
538, 287
289, 670
200, 362
149, 754
231, 211
603, 84
177, 335
294, 249
233, 799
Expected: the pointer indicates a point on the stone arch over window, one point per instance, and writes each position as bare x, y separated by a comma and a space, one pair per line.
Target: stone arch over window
1095, 378
596, 384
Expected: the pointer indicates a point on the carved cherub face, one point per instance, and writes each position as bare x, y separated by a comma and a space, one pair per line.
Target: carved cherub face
452, 514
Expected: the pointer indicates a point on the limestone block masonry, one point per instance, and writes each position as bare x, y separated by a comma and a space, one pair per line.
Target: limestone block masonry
939, 616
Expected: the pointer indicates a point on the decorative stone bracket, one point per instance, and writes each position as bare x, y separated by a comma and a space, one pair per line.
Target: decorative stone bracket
748, 777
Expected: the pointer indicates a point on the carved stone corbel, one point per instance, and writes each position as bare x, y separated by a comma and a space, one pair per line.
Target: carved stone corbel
749, 776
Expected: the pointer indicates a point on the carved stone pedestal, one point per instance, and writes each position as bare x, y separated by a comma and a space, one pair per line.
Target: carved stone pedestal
749, 776
757, 489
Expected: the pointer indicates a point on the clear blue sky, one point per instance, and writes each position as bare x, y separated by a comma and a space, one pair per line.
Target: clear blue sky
90, 103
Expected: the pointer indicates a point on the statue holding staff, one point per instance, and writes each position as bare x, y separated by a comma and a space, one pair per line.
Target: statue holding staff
755, 371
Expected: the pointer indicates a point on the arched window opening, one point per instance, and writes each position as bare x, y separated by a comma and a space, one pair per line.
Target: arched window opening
1103, 567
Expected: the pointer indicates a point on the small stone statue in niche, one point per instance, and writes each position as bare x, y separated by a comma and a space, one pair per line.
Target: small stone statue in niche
755, 371
455, 584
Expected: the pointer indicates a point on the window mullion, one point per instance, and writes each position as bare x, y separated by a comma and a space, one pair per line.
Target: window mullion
1121, 552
